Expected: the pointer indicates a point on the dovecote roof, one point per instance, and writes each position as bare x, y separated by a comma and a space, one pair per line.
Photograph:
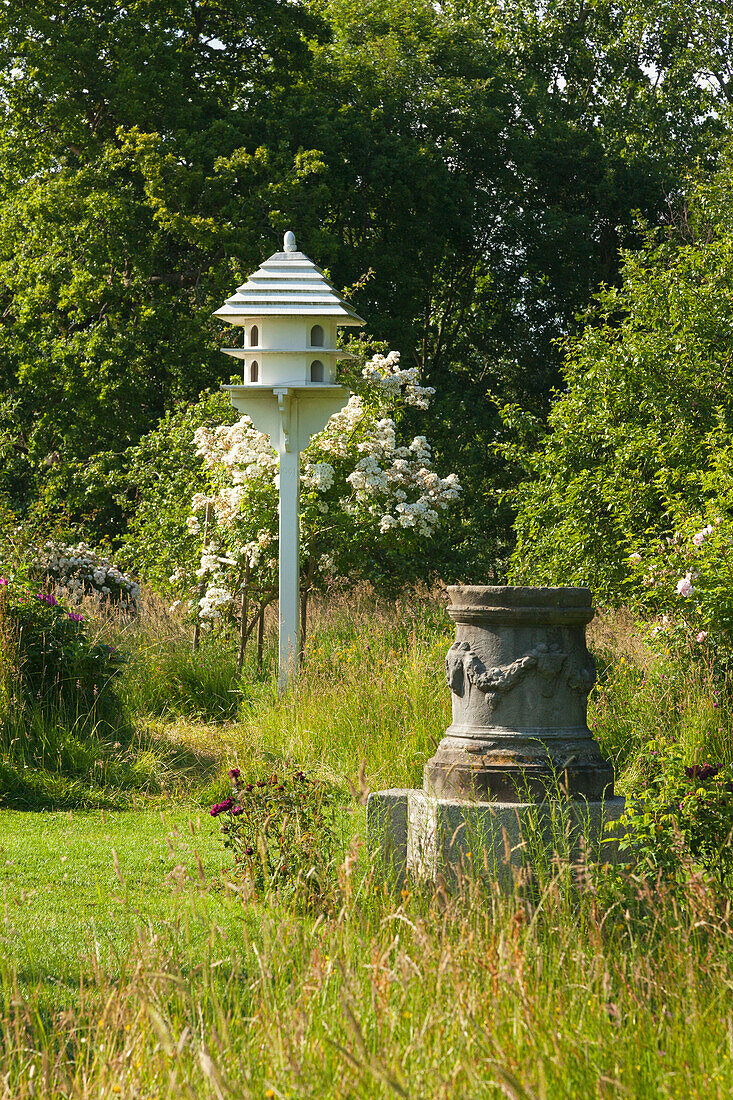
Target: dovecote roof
288, 283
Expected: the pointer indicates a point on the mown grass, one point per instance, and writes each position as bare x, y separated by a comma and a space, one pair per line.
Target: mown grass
135, 965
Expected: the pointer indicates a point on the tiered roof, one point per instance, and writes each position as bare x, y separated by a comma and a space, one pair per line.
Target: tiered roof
288, 283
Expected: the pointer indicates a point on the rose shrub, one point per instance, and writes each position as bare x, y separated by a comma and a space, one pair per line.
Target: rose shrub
681, 817
48, 658
281, 830
78, 571
206, 497
365, 494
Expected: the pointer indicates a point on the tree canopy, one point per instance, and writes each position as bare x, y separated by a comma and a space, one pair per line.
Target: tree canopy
471, 169
639, 440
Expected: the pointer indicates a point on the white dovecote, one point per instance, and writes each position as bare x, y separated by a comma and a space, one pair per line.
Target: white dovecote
290, 314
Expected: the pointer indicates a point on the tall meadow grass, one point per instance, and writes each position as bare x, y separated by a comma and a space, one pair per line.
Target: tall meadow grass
582, 983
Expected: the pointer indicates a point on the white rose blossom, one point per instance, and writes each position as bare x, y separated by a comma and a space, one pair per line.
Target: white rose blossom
391, 485
78, 570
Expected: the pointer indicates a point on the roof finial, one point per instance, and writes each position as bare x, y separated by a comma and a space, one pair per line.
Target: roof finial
289, 244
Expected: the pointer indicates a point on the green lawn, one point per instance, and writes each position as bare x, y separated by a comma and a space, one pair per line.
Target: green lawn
79, 882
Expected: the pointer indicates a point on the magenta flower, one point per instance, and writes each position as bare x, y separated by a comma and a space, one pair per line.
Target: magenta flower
237, 810
4, 582
234, 773
46, 597
221, 807
76, 618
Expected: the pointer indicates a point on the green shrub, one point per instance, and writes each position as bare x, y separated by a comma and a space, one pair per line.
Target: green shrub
48, 658
281, 830
646, 409
682, 818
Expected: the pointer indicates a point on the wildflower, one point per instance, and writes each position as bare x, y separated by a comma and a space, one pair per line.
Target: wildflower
701, 636
237, 810
249, 787
234, 773
76, 618
249, 851
221, 807
46, 597
635, 558
4, 582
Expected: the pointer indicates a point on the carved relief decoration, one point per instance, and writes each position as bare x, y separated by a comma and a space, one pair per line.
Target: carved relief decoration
465, 669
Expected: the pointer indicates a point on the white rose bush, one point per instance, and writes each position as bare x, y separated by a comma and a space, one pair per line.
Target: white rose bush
75, 571
368, 499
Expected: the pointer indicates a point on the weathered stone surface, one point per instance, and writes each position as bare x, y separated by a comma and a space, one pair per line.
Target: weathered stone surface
519, 673
412, 833
518, 776
488, 839
387, 832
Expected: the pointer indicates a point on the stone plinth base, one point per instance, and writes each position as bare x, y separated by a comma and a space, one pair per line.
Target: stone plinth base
416, 834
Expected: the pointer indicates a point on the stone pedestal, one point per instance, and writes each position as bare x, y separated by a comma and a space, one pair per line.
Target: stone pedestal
418, 836
519, 673
517, 771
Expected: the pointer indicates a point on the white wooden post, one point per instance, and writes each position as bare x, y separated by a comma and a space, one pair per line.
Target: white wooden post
289, 581
291, 315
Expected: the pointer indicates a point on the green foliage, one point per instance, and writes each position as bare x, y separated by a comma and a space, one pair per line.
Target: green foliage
281, 831
118, 225
682, 817
480, 160
166, 679
648, 407
48, 657
686, 579
142, 929
162, 474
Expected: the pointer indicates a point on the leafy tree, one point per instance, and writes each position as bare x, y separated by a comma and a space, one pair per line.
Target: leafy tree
479, 160
548, 128
121, 212
647, 412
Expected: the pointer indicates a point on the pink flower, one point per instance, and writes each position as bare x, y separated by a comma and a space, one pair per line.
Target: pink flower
4, 581
684, 586
700, 537
701, 636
